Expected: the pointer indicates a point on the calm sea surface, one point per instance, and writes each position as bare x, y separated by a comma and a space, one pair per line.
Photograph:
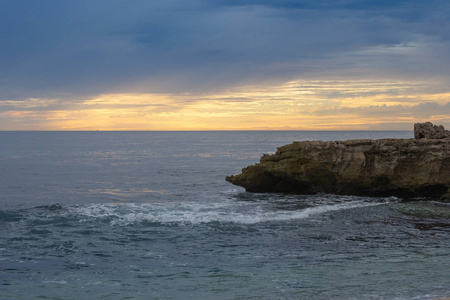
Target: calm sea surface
149, 215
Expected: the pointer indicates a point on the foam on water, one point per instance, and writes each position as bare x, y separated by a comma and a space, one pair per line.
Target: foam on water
197, 213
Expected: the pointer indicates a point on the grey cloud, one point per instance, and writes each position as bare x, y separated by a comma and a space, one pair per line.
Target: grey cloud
422, 110
431, 108
63, 49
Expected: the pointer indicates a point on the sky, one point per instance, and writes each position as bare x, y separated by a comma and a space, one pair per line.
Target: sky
224, 64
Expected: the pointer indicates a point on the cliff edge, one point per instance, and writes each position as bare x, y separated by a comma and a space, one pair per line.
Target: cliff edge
405, 168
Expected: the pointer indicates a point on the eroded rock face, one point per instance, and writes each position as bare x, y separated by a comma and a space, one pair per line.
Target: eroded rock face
388, 167
429, 131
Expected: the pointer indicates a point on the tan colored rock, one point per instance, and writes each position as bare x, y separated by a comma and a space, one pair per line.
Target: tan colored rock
429, 131
399, 167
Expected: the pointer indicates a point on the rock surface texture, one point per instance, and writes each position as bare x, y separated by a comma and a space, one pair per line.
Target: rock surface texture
429, 131
405, 168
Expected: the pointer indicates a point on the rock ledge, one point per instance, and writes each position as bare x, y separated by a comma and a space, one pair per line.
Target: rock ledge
406, 168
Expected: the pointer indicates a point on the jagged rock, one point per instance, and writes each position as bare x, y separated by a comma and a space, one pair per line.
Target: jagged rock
429, 131
404, 168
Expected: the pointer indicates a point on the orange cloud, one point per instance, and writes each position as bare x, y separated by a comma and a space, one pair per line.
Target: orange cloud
296, 105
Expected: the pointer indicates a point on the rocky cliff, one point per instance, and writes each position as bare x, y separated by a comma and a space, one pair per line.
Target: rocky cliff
405, 168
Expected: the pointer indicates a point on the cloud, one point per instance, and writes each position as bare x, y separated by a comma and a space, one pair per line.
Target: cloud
419, 111
77, 49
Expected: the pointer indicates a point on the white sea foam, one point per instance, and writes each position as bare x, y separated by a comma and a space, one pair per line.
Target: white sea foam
196, 213
55, 281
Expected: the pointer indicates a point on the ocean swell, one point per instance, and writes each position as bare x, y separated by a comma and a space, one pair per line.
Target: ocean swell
182, 213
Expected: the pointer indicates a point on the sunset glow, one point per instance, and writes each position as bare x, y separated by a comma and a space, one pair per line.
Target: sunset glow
299, 105
257, 67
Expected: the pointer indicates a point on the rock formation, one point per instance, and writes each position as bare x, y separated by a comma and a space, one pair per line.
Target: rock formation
405, 168
429, 131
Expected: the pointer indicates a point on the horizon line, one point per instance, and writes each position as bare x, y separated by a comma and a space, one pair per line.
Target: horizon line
206, 130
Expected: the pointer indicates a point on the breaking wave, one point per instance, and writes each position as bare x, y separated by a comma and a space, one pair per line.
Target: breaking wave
197, 213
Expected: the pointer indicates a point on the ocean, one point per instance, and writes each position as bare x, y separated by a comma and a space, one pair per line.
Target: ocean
149, 215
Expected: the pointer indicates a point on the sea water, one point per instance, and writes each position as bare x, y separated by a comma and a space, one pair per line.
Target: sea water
149, 215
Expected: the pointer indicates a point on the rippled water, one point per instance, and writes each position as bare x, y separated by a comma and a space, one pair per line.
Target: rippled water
148, 215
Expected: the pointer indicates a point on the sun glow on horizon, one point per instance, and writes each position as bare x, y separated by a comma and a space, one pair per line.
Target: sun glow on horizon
295, 105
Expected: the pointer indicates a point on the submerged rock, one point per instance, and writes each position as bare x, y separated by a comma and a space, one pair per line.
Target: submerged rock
404, 168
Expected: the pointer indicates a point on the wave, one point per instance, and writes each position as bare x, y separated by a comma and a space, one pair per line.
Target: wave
228, 208
197, 213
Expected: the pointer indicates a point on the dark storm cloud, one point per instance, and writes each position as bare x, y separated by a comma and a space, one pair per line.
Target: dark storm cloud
67, 49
